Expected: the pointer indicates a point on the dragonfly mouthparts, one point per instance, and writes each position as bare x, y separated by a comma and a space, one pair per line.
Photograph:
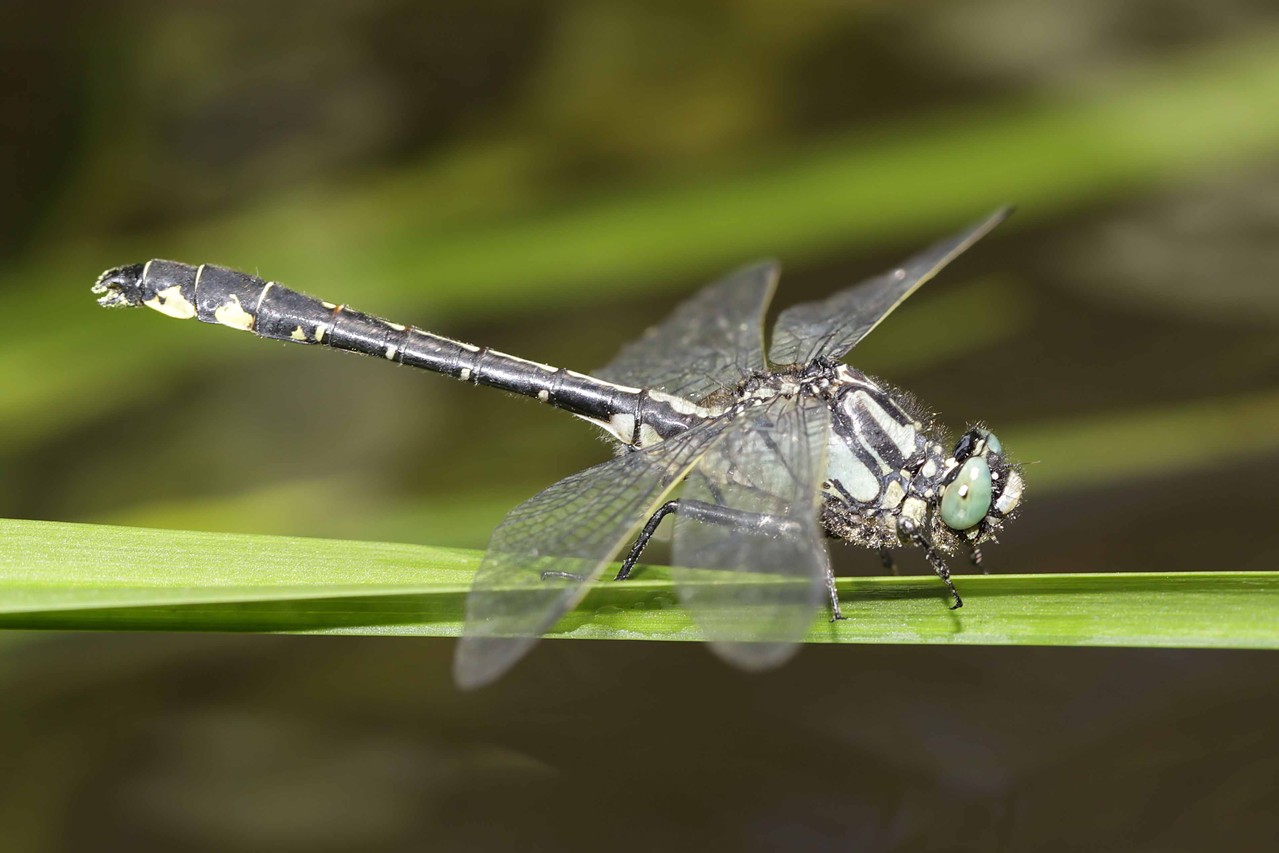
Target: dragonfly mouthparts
120, 286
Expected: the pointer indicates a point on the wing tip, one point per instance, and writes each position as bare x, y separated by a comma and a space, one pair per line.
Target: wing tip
755, 656
975, 232
1000, 214
480, 661
769, 264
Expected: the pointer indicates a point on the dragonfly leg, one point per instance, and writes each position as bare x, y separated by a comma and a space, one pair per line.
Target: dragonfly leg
912, 532
698, 511
886, 559
650, 527
836, 615
974, 557
752, 522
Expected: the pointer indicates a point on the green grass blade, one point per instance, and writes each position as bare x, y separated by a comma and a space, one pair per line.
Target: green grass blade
87, 577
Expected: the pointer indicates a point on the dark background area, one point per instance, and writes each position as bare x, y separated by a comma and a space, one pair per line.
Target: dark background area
548, 179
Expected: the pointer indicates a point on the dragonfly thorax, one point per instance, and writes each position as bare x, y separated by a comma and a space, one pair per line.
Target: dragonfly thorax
888, 472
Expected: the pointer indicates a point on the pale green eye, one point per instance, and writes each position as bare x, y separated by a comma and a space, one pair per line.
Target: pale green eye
967, 498
992, 444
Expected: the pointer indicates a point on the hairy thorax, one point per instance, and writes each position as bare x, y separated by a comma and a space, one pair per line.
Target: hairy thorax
885, 458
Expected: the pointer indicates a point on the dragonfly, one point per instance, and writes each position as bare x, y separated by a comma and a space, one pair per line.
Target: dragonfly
759, 458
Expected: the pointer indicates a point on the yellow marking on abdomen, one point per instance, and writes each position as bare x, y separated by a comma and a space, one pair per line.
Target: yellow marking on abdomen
170, 301
233, 314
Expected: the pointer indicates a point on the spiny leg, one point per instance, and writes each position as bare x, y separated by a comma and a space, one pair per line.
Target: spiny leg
737, 519
733, 518
641, 542
886, 559
974, 557
912, 532
836, 614
743, 520
755, 523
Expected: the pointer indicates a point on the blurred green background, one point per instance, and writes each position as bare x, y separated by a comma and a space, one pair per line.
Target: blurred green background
548, 178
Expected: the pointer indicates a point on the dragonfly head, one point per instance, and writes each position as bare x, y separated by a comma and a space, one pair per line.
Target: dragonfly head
981, 488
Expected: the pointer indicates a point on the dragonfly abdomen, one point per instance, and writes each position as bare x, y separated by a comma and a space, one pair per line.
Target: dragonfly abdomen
238, 300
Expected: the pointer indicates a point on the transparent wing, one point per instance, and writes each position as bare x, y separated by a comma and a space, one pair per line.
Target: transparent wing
712, 341
575, 526
834, 326
766, 470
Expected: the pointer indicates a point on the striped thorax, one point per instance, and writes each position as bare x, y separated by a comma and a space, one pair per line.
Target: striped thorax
886, 462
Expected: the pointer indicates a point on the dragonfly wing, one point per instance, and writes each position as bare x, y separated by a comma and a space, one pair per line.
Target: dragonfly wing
831, 327
575, 526
712, 341
753, 588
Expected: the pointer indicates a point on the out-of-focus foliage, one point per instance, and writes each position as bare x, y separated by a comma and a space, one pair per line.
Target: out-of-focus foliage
548, 178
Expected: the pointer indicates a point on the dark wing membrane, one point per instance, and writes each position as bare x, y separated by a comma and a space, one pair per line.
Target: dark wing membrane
834, 326
752, 582
575, 526
710, 342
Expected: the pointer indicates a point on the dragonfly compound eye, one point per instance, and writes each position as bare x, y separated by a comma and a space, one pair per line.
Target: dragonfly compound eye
966, 500
966, 444
993, 445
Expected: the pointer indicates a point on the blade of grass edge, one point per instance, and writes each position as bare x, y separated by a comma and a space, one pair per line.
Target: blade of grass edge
62, 576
